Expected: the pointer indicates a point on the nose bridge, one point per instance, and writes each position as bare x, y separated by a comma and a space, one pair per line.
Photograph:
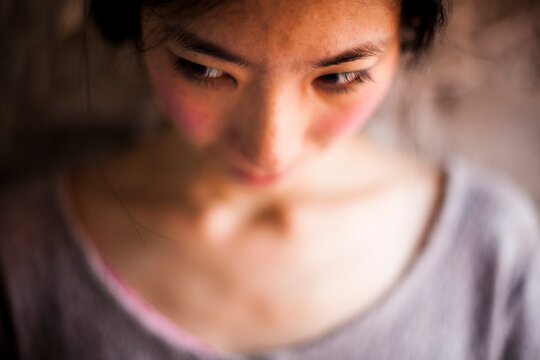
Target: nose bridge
270, 132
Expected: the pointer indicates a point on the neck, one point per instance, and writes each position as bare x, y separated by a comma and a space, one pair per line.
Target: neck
174, 181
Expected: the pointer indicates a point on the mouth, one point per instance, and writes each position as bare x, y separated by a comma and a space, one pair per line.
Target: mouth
256, 179
243, 172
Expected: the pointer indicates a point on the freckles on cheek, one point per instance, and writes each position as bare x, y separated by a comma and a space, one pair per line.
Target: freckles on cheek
347, 119
189, 114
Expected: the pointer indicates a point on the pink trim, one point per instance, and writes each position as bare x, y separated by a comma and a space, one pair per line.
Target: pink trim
143, 311
128, 298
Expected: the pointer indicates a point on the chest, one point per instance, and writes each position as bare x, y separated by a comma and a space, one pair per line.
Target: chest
281, 276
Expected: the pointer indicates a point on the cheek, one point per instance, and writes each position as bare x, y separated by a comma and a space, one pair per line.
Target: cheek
344, 119
190, 114
348, 118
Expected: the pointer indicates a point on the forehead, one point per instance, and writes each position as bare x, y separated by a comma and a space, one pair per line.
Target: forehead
266, 31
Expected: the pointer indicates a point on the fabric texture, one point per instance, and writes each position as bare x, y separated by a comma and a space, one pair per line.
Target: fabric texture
472, 293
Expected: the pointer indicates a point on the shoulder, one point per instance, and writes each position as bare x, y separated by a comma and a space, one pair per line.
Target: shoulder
495, 226
27, 207
32, 222
493, 218
484, 263
492, 208
26, 218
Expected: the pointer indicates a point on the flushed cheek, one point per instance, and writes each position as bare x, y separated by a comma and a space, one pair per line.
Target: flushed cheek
189, 114
346, 119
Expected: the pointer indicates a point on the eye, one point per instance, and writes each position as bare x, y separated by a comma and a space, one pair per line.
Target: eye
200, 74
345, 81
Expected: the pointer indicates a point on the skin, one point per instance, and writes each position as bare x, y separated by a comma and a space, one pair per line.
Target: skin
276, 115
251, 241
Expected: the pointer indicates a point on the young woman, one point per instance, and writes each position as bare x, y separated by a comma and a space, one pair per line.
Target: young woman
260, 225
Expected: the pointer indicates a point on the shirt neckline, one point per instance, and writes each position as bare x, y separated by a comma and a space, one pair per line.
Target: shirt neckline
158, 325
438, 240
131, 303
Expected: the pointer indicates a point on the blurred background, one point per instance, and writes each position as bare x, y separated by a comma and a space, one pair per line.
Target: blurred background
65, 95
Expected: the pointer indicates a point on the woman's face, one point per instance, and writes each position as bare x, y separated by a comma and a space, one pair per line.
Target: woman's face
261, 87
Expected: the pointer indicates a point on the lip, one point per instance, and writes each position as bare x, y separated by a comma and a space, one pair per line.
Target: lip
247, 173
256, 179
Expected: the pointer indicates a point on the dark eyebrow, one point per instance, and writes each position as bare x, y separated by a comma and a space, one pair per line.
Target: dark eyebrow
365, 50
190, 41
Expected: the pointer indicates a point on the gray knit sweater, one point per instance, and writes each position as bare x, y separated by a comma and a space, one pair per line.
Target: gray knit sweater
473, 293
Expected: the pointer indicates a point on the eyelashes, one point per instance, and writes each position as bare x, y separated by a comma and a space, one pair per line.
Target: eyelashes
212, 77
203, 75
344, 81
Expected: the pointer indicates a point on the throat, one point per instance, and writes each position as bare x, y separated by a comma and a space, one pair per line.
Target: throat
274, 216
227, 221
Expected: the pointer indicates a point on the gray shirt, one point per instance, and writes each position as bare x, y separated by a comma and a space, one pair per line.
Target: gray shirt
472, 293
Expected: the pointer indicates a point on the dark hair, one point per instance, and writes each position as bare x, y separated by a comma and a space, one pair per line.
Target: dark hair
120, 20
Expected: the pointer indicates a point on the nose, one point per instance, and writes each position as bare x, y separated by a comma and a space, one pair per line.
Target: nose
267, 130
